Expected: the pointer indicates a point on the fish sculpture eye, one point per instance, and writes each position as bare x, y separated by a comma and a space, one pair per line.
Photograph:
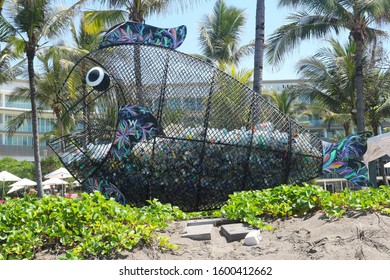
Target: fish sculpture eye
98, 79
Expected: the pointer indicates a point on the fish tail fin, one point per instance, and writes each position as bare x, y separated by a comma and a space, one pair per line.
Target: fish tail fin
344, 158
105, 187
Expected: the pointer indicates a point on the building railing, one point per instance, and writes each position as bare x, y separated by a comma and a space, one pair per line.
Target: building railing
23, 152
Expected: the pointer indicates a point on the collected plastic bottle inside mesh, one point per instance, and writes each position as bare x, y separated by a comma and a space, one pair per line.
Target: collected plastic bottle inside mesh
152, 122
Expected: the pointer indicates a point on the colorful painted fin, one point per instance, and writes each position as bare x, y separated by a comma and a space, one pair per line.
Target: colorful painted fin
135, 124
344, 157
139, 33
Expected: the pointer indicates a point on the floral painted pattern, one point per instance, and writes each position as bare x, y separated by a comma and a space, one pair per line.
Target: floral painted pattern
343, 158
106, 188
138, 33
135, 124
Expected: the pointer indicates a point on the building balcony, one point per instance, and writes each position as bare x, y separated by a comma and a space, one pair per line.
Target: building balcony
23, 152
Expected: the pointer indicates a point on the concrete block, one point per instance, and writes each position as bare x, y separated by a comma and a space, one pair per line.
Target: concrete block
213, 221
235, 232
200, 232
253, 238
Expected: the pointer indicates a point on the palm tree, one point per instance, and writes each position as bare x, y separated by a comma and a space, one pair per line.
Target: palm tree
48, 84
230, 107
56, 62
8, 71
133, 10
136, 11
259, 47
319, 18
31, 22
286, 101
243, 75
85, 42
331, 74
377, 87
220, 33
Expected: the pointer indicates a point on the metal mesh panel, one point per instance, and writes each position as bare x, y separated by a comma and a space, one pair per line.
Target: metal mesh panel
216, 136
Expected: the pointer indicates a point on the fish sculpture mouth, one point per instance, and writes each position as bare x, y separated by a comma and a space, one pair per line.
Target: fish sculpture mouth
152, 122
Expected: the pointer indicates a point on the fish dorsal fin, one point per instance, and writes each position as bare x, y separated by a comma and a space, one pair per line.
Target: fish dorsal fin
140, 33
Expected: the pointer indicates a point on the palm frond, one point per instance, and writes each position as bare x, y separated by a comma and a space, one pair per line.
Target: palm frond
243, 75
18, 45
14, 124
243, 51
318, 6
302, 26
220, 33
6, 29
8, 68
153, 7
96, 21
205, 42
58, 21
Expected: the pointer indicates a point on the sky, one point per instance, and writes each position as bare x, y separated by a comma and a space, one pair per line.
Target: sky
274, 18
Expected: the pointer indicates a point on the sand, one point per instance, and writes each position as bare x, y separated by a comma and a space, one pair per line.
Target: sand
354, 236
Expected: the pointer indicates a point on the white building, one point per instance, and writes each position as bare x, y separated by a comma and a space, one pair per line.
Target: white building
19, 145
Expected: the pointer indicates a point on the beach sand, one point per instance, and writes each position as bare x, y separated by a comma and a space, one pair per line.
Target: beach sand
351, 237
356, 236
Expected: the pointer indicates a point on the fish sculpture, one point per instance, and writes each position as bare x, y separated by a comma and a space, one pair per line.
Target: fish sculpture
152, 122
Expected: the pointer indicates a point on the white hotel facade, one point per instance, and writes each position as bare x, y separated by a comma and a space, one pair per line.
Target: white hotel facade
19, 145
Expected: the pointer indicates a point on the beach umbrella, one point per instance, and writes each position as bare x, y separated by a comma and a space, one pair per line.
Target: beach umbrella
5, 176
21, 184
60, 173
54, 181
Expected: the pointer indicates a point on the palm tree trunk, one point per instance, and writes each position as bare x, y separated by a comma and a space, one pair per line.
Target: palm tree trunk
57, 113
30, 52
346, 128
1, 6
136, 15
259, 53
359, 84
138, 76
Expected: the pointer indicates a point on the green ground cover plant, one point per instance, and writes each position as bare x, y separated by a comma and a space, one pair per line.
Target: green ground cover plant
292, 200
93, 227
90, 227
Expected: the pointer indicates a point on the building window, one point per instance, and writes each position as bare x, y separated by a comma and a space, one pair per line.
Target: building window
16, 104
21, 140
44, 125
